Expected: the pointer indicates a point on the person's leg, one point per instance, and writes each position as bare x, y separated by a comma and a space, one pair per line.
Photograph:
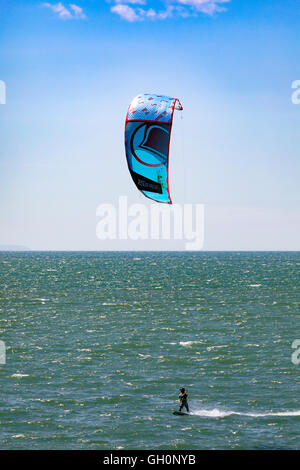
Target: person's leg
187, 407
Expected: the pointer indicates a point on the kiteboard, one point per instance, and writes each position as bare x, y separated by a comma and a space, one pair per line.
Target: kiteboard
180, 413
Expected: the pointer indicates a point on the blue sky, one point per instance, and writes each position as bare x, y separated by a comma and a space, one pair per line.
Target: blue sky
72, 69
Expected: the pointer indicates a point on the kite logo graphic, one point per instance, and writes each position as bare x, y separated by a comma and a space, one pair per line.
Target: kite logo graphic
145, 184
149, 144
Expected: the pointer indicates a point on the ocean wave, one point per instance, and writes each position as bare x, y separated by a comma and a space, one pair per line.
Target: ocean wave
20, 375
189, 343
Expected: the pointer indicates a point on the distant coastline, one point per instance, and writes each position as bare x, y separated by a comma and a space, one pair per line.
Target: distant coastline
14, 248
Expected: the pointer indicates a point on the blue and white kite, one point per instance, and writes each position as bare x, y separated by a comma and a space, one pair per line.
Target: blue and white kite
147, 143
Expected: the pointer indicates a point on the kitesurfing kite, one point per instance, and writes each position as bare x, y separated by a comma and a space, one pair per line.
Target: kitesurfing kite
147, 143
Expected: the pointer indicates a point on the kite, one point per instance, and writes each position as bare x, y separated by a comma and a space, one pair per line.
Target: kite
147, 143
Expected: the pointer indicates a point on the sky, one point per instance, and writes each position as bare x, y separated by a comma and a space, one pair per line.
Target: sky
70, 71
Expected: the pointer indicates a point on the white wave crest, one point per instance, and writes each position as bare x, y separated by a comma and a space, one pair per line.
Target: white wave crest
188, 343
20, 375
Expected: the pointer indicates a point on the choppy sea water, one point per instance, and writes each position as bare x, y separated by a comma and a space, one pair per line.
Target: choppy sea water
98, 345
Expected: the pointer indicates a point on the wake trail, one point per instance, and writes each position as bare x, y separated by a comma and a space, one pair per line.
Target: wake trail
216, 413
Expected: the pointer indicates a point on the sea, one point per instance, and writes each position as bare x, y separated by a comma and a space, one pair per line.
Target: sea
98, 345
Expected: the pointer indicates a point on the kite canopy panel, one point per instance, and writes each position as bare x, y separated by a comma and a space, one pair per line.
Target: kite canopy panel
147, 142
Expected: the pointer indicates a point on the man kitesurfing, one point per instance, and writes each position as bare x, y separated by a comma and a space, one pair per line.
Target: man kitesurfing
183, 403
183, 400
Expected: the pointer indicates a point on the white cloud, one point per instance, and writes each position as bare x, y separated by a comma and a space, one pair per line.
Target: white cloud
78, 12
125, 12
138, 14
183, 8
63, 12
132, 2
59, 8
151, 13
205, 6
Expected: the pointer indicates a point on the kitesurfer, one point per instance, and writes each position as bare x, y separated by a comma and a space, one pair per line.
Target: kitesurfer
183, 400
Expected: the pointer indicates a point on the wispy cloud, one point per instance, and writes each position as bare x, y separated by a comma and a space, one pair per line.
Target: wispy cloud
77, 11
59, 9
125, 12
130, 10
132, 2
72, 12
205, 6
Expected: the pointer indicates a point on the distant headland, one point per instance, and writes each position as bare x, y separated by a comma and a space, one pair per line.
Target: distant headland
14, 248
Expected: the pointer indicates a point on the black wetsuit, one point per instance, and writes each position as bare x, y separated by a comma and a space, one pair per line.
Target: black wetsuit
183, 401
